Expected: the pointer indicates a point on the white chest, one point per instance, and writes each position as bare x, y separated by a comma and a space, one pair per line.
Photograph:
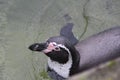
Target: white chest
61, 69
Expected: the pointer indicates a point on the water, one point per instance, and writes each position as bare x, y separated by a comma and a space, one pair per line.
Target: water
23, 22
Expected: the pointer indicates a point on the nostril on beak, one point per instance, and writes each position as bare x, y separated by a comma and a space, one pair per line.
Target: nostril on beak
37, 47
31, 47
34, 46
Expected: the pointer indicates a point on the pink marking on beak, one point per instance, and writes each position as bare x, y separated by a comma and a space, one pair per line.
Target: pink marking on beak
49, 48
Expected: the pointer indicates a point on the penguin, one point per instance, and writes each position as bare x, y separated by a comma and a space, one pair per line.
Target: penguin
68, 56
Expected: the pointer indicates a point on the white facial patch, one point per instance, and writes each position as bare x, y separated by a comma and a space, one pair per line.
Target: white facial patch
61, 69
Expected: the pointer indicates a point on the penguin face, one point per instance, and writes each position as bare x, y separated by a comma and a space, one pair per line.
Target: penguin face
57, 48
63, 57
57, 52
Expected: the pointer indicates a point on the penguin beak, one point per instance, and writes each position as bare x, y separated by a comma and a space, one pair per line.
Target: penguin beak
38, 47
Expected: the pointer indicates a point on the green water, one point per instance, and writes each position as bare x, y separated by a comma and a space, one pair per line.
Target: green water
23, 22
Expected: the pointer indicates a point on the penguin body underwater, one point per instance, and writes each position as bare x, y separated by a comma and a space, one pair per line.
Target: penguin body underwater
67, 56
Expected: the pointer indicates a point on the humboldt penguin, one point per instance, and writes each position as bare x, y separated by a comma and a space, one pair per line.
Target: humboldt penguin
67, 56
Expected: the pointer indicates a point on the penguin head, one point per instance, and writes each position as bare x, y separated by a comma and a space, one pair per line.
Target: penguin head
56, 48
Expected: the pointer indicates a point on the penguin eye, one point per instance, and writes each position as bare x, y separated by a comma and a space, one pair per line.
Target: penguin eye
57, 49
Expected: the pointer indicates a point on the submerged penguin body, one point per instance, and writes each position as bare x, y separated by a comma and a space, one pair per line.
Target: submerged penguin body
99, 48
67, 56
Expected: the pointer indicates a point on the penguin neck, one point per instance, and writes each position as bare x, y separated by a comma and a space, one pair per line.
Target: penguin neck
63, 69
69, 68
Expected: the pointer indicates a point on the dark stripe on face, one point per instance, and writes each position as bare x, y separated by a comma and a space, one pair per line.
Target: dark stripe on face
61, 56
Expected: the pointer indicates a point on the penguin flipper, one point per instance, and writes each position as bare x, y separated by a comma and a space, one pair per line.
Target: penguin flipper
66, 31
